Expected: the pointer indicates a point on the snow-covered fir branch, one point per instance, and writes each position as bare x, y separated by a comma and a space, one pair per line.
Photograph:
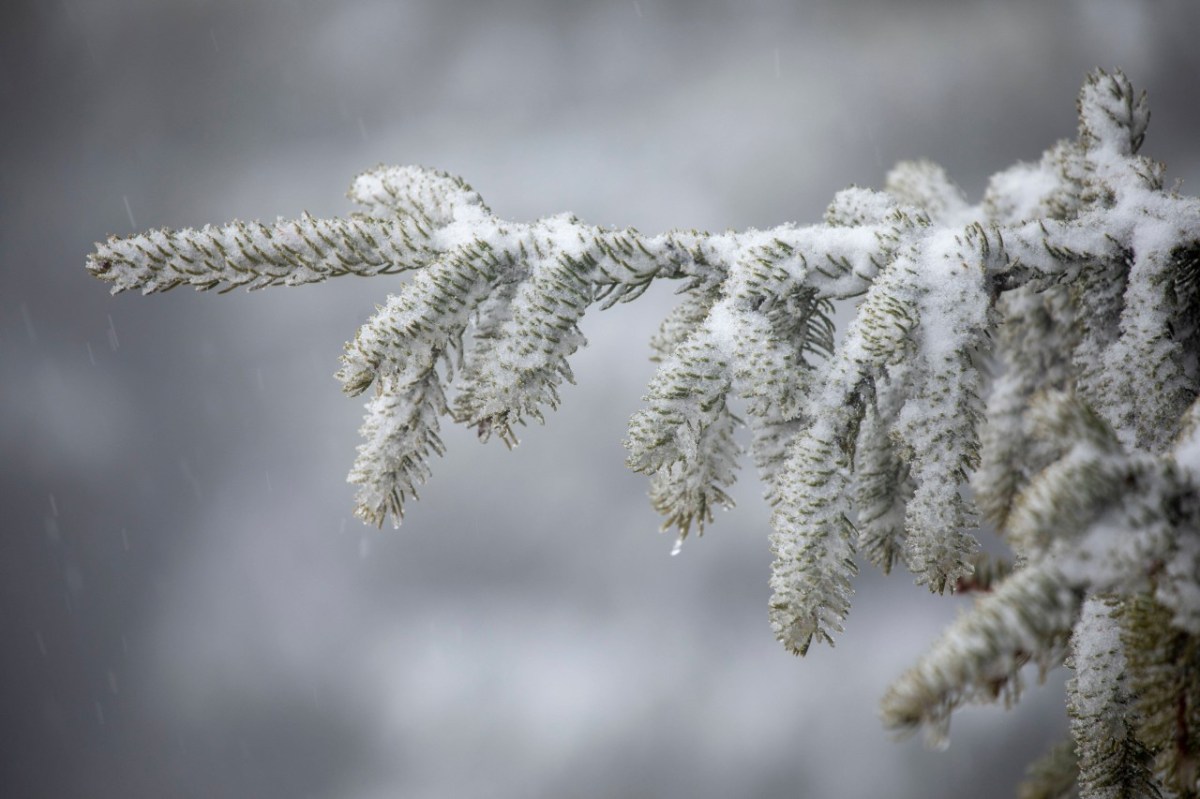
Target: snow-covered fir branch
1030, 363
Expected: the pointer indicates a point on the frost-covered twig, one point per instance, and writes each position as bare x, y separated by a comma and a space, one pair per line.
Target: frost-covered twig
1032, 361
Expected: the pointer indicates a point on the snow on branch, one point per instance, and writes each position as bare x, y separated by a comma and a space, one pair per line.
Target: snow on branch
1032, 361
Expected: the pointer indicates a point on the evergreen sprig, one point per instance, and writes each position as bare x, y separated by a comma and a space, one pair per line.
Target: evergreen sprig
1032, 362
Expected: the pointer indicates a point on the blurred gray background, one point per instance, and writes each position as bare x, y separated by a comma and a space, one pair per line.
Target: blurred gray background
188, 608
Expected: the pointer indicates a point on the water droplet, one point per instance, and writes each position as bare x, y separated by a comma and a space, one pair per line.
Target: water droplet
41, 643
113, 341
937, 734
675, 550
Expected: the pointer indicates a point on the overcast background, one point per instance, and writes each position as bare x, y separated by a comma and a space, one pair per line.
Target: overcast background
187, 607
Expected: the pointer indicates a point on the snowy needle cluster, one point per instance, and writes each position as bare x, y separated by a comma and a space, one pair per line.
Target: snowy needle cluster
1029, 364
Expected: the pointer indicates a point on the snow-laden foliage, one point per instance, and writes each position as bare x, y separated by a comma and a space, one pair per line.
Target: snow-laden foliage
1029, 364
